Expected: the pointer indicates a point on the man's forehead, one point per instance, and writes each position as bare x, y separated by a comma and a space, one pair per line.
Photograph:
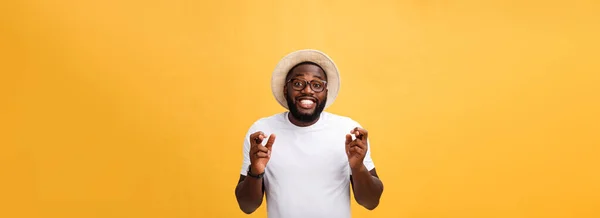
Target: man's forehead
305, 69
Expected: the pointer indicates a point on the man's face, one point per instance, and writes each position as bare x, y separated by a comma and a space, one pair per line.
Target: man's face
306, 104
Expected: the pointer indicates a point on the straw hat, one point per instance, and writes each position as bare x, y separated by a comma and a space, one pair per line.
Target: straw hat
305, 55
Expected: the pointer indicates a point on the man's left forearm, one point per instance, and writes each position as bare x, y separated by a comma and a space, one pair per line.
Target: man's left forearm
367, 188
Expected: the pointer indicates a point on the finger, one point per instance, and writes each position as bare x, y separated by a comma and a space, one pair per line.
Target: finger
355, 132
256, 138
261, 154
261, 148
354, 148
270, 142
260, 138
361, 144
364, 133
360, 133
358, 151
348, 139
256, 134
355, 143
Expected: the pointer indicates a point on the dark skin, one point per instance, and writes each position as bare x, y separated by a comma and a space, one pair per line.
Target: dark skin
366, 185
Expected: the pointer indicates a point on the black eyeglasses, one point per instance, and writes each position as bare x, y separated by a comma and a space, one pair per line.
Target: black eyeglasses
315, 85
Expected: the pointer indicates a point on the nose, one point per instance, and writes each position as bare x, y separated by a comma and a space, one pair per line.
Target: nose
307, 88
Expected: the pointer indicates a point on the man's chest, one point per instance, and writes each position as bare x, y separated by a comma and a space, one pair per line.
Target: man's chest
316, 154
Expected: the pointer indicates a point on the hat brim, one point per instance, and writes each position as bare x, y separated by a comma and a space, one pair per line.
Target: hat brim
306, 55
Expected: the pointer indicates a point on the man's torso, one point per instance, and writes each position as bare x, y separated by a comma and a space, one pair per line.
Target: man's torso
308, 173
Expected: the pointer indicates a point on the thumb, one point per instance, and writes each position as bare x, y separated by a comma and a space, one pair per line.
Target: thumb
270, 142
348, 139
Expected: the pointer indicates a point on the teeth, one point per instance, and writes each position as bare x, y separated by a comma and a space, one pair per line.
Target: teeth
306, 102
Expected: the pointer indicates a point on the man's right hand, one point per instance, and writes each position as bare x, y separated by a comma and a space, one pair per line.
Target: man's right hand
259, 154
249, 192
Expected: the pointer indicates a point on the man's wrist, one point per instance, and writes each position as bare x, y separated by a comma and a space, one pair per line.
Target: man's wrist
359, 169
253, 173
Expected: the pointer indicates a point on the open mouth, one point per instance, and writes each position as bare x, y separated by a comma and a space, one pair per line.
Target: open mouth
306, 103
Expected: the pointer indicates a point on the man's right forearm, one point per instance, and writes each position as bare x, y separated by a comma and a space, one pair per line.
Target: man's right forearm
249, 194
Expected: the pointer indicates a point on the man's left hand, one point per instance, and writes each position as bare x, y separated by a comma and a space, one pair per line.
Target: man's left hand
356, 149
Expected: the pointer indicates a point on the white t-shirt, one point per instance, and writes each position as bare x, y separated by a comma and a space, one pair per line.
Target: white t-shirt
308, 174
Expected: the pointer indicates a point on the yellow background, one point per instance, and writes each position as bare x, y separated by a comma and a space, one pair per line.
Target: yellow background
139, 108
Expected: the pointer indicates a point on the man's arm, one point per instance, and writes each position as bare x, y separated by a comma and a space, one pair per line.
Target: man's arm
366, 184
367, 187
249, 193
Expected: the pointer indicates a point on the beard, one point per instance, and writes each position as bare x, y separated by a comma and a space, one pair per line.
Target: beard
305, 117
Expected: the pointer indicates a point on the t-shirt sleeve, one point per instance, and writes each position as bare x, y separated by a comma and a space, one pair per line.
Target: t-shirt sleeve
368, 162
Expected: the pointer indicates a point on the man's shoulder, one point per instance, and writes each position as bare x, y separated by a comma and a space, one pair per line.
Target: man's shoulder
275, 119
340, 119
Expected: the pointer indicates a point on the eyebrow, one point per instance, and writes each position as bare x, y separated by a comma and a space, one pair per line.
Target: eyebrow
302, 74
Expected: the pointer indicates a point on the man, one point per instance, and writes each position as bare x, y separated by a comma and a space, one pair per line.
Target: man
304, 160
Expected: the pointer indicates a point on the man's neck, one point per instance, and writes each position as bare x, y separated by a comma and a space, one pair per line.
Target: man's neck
300, 123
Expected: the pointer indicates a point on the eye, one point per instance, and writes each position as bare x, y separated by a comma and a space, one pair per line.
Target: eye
297, 83
317, 84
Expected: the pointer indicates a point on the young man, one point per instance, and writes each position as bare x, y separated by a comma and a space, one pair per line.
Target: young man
304, 160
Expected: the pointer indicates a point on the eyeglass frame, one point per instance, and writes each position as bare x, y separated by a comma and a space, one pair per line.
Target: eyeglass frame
306, 82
